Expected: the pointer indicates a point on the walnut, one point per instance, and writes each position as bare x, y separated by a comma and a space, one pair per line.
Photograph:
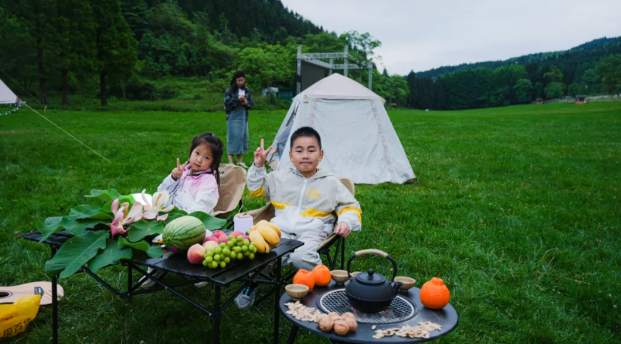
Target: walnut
325, 323
348, 315
334, 315
341, 328
351, 323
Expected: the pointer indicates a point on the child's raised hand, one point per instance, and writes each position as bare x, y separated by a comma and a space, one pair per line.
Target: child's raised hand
177, 172
342, 229
260, 155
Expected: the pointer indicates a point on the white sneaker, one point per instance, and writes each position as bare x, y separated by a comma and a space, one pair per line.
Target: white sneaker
201, 284
241, 164
149, 282
246, 298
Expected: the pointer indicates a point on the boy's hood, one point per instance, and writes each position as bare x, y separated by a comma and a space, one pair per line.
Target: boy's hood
321, 173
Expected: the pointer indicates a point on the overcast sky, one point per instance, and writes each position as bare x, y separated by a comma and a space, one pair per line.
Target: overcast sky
420, 35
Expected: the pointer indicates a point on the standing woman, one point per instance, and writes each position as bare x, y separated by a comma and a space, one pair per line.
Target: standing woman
237, 102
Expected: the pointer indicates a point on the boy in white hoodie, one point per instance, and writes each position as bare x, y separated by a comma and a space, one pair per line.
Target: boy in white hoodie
305, 198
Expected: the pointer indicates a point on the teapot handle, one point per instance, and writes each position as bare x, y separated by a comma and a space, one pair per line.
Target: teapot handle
375, 252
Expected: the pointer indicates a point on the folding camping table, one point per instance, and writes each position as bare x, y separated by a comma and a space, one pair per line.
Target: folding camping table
247, 272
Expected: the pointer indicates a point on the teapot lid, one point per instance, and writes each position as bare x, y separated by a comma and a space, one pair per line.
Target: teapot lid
370, 277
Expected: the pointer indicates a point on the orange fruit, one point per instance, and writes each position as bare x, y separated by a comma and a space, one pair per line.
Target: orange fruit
322, 275
434, 294
304, 277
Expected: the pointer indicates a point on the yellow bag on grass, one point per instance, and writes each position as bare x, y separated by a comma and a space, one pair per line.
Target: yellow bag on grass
15, 317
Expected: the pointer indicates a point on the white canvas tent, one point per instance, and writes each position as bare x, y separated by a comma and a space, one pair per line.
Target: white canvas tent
6, 95
357, 137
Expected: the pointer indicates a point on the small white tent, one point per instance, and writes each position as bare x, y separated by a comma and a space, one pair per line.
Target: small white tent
6, 95
357, 137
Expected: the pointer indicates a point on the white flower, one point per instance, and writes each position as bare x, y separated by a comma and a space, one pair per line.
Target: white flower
153, 205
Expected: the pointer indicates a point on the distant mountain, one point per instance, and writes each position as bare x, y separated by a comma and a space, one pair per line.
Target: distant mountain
269, 17
587, 53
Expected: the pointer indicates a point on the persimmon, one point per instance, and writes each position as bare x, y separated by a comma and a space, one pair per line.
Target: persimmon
322, 275
434, 294
304, 277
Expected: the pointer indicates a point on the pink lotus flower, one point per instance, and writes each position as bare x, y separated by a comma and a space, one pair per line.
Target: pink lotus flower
153, 205
124, 217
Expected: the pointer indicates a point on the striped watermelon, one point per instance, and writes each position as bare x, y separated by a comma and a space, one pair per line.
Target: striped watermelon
184, 232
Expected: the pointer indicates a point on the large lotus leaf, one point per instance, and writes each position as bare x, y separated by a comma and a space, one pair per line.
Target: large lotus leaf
78, 226
86, 211
175, 214
143, 229
76, 252
50, 226
72, 223
152, 251
155, 251
209, 221
110, 256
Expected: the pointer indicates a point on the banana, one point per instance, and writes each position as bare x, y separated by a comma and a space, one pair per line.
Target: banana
269, 235
275, 228
259, 242
271, 225
252, 229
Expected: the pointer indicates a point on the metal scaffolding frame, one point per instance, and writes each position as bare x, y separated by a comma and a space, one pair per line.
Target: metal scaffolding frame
316, 59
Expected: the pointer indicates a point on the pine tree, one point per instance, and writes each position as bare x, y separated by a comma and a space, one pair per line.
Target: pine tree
116, 48
136, 13
39, 17
411, 80
439, 94
75, 32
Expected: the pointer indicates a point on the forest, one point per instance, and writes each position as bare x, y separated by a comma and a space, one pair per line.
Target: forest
143, 49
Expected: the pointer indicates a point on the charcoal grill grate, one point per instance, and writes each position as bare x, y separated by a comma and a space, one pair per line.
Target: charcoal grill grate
336, 301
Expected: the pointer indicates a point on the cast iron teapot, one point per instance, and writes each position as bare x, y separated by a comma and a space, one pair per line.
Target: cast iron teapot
369, 291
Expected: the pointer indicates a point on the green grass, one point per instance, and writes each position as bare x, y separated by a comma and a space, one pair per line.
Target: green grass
518, 211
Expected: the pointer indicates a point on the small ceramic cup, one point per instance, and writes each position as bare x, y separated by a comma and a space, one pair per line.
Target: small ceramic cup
408, 283
297, 291
339, 276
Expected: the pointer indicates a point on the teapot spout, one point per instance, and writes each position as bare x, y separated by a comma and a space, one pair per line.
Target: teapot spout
396, 286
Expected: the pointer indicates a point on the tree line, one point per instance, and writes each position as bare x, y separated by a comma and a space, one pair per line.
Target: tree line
100, 48
79, 46
103, 47
512, 84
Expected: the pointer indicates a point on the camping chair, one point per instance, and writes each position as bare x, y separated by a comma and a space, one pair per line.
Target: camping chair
232, 184
268, 211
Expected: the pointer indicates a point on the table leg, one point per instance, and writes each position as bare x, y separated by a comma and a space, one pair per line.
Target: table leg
54, 304
293, 334
129, 282
342, 254
277, 299
216, 316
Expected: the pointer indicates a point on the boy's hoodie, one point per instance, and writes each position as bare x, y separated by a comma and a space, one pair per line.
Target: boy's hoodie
305, 204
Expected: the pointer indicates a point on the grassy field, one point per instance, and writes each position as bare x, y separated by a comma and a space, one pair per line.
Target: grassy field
518, 211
